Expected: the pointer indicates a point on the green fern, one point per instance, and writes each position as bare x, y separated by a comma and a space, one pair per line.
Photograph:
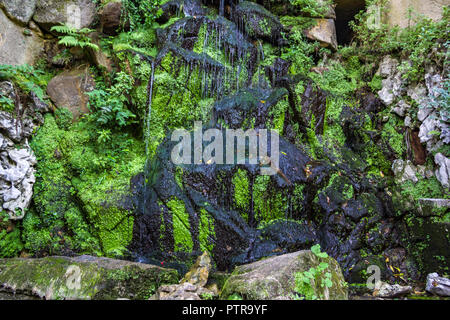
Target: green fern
71, 37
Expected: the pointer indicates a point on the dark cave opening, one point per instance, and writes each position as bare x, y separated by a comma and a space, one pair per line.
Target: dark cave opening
345, 12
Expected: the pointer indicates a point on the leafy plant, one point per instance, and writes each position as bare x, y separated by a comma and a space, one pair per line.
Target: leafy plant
235, 296
314, 8
72, 37
109, 104
6, 103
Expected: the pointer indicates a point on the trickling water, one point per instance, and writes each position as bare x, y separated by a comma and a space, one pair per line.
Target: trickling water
149, 114
147, 129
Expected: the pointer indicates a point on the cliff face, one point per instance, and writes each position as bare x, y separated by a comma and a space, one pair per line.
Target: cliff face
397, 14
361, 111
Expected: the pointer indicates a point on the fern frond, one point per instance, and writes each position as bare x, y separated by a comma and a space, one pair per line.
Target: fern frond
69, 41
64, 29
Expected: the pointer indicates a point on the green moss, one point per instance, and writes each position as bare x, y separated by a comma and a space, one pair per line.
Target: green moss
332, 130
206, 231
268, 206
63, 118
278, 113
181, 226
58, 278
10, 241
79, 190
376, 83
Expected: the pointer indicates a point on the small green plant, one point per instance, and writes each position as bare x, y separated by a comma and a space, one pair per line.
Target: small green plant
63, 118
207, 296
235, 296
306, 281
6, 104
109, 104
313, 8
141, 12
27, 78
72, 37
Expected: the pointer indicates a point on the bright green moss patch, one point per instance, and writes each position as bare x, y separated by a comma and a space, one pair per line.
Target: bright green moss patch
81, 184
392, 137
206, 231
268, 206
181, 226
58, 278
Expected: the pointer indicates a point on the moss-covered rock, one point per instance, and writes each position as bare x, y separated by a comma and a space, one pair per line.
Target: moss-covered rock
81, 191
83, 277
275, 278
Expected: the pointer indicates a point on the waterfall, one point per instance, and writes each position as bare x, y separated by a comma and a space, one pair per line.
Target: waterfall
222, 8
147, 131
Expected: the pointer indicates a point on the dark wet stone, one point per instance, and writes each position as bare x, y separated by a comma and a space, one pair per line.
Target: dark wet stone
237, 110
258, 22
314, 103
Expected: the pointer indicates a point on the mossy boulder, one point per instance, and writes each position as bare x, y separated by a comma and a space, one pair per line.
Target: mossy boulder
83, 277
274, 278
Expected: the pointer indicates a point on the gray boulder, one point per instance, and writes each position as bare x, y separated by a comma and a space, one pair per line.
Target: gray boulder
443, 172
438, 285
401, 108
430, 207
83, 277
184, 291
20, 11
274, 278
392, 83
16, 179
404, 171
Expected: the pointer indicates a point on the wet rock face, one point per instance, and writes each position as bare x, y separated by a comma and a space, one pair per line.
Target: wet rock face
248, 104
258, 22
227, 200
232, 211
